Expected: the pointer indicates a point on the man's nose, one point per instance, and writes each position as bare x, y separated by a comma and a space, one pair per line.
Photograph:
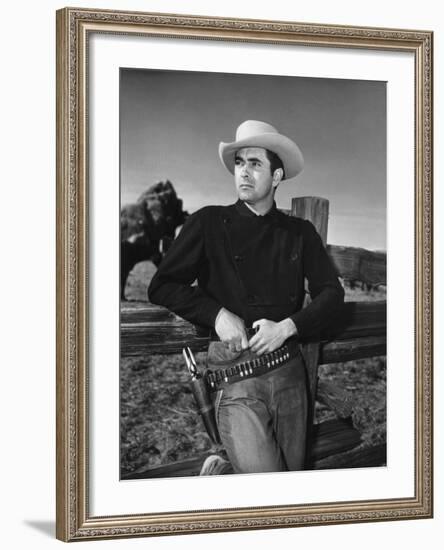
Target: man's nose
244, 170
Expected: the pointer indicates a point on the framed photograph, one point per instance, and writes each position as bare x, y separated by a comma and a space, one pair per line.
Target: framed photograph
244, 274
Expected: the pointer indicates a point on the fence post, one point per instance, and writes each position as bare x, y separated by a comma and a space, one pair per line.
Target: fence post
314, 209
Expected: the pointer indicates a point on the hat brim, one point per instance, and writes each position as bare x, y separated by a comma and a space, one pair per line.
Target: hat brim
283, 147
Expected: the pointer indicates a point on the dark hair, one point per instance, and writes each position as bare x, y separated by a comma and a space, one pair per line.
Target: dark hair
275, 162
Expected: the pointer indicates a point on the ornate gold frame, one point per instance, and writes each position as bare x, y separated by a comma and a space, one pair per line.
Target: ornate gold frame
73, 519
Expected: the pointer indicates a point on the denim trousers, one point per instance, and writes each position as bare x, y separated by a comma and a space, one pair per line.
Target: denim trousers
262, 421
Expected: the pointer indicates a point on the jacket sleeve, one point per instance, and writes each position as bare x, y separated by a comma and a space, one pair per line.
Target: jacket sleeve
324, 287
172, 285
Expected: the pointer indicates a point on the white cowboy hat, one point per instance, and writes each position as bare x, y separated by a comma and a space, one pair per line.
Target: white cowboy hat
254, 133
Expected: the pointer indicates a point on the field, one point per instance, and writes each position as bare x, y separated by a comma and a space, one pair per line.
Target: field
158, 423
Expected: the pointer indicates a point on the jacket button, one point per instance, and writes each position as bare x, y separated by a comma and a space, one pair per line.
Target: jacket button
238, 258
251, 298
293, 297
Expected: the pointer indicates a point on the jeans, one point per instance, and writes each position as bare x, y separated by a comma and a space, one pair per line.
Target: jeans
262, 421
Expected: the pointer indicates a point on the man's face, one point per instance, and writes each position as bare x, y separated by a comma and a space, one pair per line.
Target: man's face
252, 176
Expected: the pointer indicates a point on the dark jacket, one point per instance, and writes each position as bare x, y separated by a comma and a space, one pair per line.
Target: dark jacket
252, 265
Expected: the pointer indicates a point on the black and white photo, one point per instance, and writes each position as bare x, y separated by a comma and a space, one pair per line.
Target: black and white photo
191, 145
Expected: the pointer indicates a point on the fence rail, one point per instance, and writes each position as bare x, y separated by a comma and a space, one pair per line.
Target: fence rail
358, 264
149, 329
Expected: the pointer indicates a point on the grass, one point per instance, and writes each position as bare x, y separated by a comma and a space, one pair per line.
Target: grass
158, 419
158, 422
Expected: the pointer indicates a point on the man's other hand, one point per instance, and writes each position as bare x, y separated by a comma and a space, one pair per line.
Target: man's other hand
271, 335
231, 329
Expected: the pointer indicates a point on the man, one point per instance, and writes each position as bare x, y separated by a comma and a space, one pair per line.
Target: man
250, 261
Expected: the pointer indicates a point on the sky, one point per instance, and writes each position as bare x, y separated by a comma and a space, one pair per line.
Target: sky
171, 124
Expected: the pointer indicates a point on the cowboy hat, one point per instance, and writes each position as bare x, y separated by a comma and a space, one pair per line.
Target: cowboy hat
254, 133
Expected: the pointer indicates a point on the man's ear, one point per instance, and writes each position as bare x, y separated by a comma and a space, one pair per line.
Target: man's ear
277, 177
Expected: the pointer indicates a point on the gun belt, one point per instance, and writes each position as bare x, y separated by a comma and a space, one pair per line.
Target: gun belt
217, 379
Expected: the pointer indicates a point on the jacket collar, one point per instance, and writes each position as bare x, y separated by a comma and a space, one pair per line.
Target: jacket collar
243, 210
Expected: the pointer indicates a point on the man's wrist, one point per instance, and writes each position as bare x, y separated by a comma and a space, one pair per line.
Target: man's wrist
289, 327
219, 313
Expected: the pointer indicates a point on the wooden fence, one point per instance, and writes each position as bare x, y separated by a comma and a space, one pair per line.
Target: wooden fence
359, 332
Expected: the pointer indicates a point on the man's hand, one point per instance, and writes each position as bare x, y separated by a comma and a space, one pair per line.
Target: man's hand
231, 329
271, 335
